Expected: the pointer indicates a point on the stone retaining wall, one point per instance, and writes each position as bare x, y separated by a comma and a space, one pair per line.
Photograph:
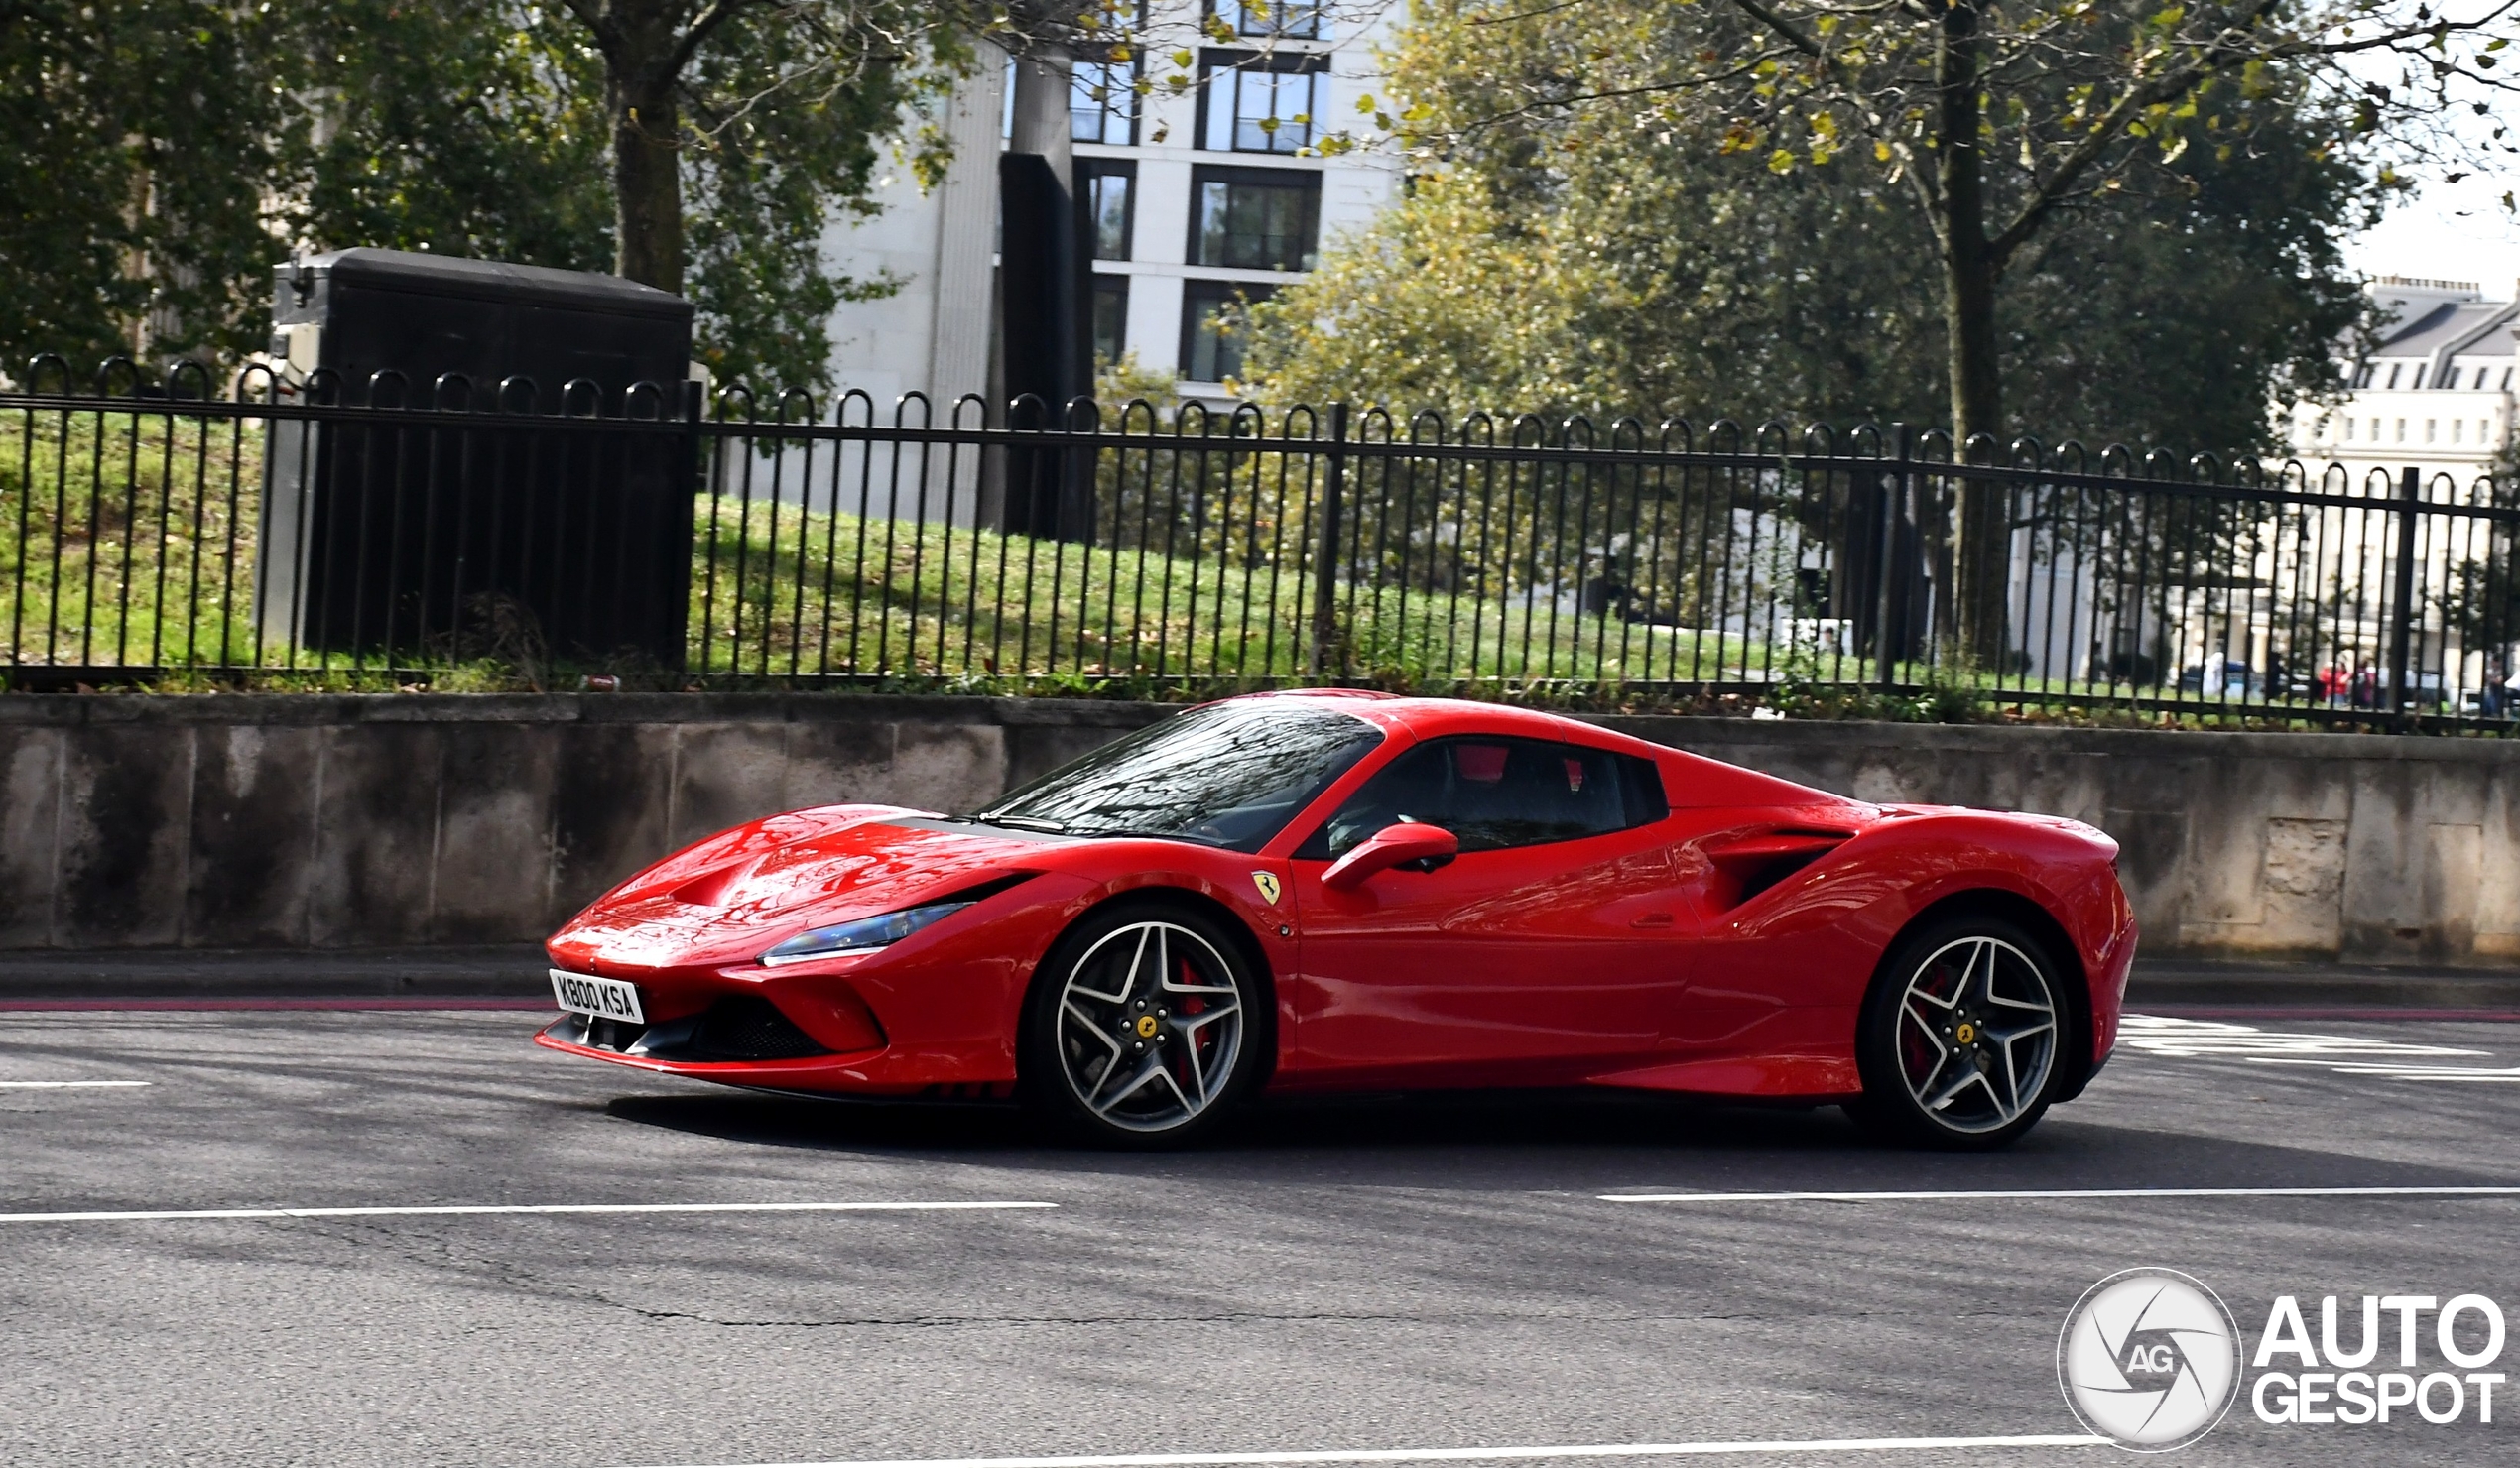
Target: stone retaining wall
351, 821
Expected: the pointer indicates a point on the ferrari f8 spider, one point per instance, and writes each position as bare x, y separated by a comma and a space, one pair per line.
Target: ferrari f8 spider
1331, 890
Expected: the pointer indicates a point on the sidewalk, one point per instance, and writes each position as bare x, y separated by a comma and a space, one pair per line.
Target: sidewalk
417, 978
516, 975
2197, 988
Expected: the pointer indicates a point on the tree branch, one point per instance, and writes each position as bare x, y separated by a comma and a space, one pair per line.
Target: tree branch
1781, 26
716, 15
2220, 56
598, 21
1576, 100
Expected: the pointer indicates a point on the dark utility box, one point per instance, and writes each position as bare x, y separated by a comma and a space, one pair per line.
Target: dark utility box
475, 481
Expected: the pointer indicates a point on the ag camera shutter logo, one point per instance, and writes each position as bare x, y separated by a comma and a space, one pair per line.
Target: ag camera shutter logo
2149, 1358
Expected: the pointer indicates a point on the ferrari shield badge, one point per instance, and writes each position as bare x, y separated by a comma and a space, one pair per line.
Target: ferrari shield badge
1267, 882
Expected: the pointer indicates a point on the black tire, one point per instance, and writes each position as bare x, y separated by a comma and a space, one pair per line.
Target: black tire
1127, 1040
1953, 1045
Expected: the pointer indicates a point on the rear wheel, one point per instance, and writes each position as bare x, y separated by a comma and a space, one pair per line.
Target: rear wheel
1141, 1028
1962, 1036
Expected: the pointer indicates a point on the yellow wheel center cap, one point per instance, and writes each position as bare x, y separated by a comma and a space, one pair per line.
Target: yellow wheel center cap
1966, 1034
1146, 1027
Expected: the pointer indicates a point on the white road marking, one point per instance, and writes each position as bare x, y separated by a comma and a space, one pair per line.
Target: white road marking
441, 1210
1977, 1193
2159, 1035
65, 1085
2506, 1074
1449, 1454
2168, 1035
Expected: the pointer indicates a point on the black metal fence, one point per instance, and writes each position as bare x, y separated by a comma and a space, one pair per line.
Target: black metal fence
161, 529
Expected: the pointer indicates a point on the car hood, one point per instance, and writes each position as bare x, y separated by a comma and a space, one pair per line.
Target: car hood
740, 892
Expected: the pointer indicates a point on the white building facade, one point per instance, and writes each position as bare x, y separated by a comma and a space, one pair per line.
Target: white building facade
2436, 393
1191, 202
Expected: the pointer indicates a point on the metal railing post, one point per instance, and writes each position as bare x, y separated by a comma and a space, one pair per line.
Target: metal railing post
1326, 629
1892, 490
2402, 595
692, 463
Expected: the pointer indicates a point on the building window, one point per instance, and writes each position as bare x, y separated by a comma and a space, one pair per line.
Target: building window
1263, 104
2452, 381
1102, 102
2363, 379
2457, 431
1104, 187
1293, 20
2348, 430
2401, 431
2418, 384
2394, 369
1254, 218
1110, 319
2506, 379
1214, 329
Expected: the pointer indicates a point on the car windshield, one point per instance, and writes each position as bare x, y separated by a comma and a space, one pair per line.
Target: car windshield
1230, 775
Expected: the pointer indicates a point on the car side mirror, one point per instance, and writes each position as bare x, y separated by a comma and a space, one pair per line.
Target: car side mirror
1406, 843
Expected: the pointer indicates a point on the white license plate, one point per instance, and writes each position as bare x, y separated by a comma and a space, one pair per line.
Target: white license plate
605, 999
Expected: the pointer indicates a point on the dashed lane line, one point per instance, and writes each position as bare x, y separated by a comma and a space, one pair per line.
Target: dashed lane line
458, 1209
68, 1085
1978, 1194
1455, 1454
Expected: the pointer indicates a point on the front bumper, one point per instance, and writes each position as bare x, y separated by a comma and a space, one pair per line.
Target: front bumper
863, 1075
849, 1027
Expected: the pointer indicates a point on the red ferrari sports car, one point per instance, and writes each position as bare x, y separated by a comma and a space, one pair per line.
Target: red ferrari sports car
1331, 890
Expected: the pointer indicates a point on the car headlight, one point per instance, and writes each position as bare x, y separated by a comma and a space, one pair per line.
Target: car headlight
866, 936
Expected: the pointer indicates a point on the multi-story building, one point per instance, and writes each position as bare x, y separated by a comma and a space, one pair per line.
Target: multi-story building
1188, 202
2435, 393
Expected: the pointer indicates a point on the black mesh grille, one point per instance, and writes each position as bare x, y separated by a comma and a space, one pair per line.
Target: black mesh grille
750, 1029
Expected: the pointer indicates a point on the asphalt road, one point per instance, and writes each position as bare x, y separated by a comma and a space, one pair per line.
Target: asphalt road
1389, 1274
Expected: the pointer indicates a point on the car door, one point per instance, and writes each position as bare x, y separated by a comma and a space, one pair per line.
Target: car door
1554, 944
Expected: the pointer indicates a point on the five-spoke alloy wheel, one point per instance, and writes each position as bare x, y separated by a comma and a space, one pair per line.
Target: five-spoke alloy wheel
1141, 1027
1962, 1036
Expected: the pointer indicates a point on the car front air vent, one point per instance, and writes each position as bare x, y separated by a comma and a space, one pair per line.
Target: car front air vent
738, 1028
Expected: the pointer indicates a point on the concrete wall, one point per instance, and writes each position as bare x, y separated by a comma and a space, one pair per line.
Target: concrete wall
2372, 848
319, 822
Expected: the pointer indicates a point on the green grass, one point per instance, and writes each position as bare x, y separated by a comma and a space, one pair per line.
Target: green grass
129, 541
924, 600
125, 542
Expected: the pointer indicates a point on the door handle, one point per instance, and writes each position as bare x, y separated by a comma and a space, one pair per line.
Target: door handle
1653, 919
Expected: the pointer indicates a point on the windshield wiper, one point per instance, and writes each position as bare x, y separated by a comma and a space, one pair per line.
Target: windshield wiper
1025, 823
1137, 833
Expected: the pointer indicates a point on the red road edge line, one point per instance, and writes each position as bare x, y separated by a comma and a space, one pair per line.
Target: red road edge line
126, 1004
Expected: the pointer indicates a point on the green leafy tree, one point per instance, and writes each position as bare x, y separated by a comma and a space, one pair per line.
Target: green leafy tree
1604, 261
2000, 127
140, 136
464, 126
166, 153
699, 148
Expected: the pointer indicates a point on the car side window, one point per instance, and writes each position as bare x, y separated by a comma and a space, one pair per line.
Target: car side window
1494, 794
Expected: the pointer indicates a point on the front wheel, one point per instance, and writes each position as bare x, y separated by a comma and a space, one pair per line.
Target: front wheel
1141, 1028
1962, 1036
